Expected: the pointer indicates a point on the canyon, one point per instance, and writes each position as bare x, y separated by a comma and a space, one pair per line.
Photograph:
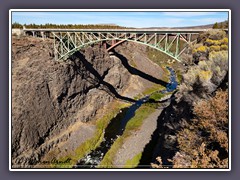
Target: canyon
55, 103
131, 107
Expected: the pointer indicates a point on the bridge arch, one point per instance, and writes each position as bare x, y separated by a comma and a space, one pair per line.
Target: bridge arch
72, 51
68, 43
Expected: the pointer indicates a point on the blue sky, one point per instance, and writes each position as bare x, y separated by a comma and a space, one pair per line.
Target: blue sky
128, 19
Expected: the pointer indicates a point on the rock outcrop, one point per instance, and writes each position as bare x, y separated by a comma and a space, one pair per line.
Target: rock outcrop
49, 96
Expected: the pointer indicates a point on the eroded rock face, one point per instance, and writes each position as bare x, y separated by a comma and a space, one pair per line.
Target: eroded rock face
48, 96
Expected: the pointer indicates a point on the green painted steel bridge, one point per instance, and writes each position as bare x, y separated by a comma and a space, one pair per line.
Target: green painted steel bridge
173, 42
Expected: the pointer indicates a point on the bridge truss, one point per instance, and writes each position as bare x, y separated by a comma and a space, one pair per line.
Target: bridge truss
173, 44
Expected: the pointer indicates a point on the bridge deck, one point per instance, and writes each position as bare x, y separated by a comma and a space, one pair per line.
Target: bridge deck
123, 30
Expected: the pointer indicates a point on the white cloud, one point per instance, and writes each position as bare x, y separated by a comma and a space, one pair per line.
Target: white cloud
188, 14
208, 20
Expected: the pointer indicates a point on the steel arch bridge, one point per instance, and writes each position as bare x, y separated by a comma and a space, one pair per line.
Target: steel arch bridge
68, 41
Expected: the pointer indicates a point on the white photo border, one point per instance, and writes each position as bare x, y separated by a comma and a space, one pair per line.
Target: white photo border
116, 10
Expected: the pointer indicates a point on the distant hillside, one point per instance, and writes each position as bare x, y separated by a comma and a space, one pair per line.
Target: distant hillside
192, 27
208, 26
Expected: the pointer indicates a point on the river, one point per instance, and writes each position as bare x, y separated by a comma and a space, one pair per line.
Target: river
112, 132
116, 128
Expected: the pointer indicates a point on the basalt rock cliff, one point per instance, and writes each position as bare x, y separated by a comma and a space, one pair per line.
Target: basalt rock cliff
48, 96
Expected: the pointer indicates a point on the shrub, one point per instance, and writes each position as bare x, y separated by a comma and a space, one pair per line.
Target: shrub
219, 65
224, 41
212, 35
216, 34
200, 49
213, 117
202, 138
210, 42
202, 158
196, 84
214, 48
224, 47
205, 75
202, 80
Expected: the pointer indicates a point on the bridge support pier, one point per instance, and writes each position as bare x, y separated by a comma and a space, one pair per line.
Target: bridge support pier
113, 42
42, 34
104, 44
